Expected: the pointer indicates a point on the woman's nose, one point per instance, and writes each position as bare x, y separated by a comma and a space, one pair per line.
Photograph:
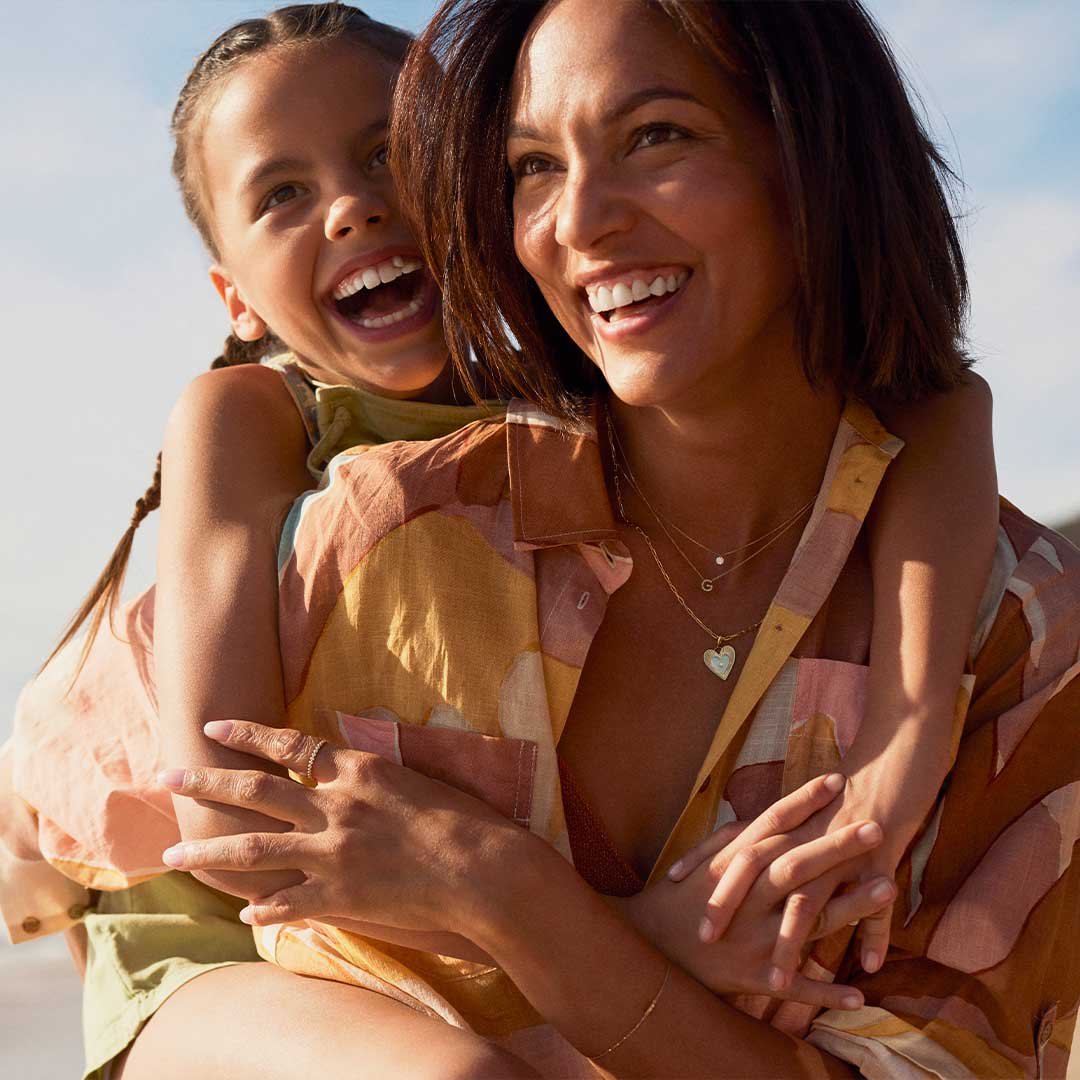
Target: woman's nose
589, 208
354, 212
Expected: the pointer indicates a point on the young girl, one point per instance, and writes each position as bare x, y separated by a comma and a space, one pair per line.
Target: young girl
282, 162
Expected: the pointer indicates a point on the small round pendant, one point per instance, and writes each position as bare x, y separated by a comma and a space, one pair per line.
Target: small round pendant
719, 560
706, 585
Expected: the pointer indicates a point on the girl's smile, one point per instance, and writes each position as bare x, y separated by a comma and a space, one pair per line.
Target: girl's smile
306, 219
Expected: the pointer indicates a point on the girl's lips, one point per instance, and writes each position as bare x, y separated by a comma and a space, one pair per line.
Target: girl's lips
428, 295
633, 322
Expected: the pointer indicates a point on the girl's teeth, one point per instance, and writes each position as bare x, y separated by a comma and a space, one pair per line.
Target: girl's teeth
658, 287
639, 289
406, 312
371, 277
672, 284
621, 295
604, 301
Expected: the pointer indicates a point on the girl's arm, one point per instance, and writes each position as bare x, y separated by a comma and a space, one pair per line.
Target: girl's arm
233, 461
932, 534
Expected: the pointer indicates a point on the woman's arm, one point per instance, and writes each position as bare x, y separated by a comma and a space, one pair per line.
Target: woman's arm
232, 463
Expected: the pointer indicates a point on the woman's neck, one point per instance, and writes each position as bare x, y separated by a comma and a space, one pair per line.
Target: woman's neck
730, 470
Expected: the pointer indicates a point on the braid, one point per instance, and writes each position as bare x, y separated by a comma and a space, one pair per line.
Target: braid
103, 598
237, 352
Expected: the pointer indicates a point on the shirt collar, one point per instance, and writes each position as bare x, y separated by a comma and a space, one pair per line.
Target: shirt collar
557, 480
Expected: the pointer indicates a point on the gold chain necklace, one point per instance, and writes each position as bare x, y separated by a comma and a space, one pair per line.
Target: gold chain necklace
721, 660
760, 544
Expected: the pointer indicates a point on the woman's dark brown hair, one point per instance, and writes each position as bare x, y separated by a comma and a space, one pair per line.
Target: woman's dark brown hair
294, 26
882, 289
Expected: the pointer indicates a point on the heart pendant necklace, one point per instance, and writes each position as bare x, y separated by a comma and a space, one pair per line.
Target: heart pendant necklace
720, 661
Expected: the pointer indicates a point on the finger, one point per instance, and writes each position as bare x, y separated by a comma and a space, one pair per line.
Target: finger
874, 932
784, 815
247, 851
863, 902
287, 905
823, 994
714, 842
737, 877
802, 912
287, 747
807, 861
248, 788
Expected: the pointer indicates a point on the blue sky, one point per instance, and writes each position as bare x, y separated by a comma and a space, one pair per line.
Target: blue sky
108, 311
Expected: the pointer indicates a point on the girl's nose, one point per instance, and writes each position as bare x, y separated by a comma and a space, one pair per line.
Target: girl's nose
354, 212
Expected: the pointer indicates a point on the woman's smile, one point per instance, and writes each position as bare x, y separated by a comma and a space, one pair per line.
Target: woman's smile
647, 203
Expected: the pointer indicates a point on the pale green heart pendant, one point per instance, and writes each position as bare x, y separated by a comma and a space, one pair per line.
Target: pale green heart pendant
720, 662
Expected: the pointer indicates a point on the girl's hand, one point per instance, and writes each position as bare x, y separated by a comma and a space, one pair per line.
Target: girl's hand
769, 863
807, 903
376, 842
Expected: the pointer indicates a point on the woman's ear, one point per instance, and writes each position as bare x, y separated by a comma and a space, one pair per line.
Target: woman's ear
247, 323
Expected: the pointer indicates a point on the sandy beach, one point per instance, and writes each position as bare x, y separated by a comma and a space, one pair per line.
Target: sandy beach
39, 1012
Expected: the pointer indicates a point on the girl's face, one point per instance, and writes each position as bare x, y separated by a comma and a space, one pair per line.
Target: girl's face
648, 205
305, 217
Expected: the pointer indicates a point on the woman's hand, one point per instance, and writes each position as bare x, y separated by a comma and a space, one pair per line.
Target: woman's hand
768, 864
808, 902
376, 842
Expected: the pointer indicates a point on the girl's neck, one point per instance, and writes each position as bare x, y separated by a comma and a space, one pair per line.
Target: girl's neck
729, 471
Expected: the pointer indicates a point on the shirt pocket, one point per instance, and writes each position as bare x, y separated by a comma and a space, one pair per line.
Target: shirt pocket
500, 772
827, 706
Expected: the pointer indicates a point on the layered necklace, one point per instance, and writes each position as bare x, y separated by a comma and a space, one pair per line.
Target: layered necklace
721, 659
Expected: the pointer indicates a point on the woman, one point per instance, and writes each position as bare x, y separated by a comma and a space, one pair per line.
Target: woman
640, 151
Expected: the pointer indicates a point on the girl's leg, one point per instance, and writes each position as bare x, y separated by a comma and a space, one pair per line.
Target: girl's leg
260, 1022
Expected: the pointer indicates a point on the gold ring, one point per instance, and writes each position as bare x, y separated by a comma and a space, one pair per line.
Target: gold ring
311, 760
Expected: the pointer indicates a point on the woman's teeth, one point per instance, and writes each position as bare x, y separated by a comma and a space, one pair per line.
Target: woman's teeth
623, 294
371, 277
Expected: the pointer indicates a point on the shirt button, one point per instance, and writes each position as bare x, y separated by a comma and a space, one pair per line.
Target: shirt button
31, 925
76, 911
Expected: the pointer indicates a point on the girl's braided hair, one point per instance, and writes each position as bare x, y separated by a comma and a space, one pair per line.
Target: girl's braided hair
288, 27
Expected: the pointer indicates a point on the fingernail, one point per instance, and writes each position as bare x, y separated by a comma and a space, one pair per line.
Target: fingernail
217, 729
706, 930
835, 781
173, 856
870, 833
851, 1001
871, 961
881, 892
171, 778
777, 979
247, 915
675, 870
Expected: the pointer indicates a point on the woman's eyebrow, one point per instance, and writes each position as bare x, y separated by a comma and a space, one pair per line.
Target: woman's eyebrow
617, 111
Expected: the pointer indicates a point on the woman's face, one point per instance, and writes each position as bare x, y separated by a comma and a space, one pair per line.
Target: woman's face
648, 205
304, 212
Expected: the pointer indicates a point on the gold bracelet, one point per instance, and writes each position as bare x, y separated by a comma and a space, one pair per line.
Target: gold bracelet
641, 1020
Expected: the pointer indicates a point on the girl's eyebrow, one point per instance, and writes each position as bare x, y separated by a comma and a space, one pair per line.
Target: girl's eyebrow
262, 172
265, 170
617, 111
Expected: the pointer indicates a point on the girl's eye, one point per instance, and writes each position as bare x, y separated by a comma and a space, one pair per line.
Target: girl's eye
657, 134
283, 193
381, 156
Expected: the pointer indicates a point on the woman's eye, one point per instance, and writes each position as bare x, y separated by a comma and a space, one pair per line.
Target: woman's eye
657, 134
283, 193
531, 165
381, 156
